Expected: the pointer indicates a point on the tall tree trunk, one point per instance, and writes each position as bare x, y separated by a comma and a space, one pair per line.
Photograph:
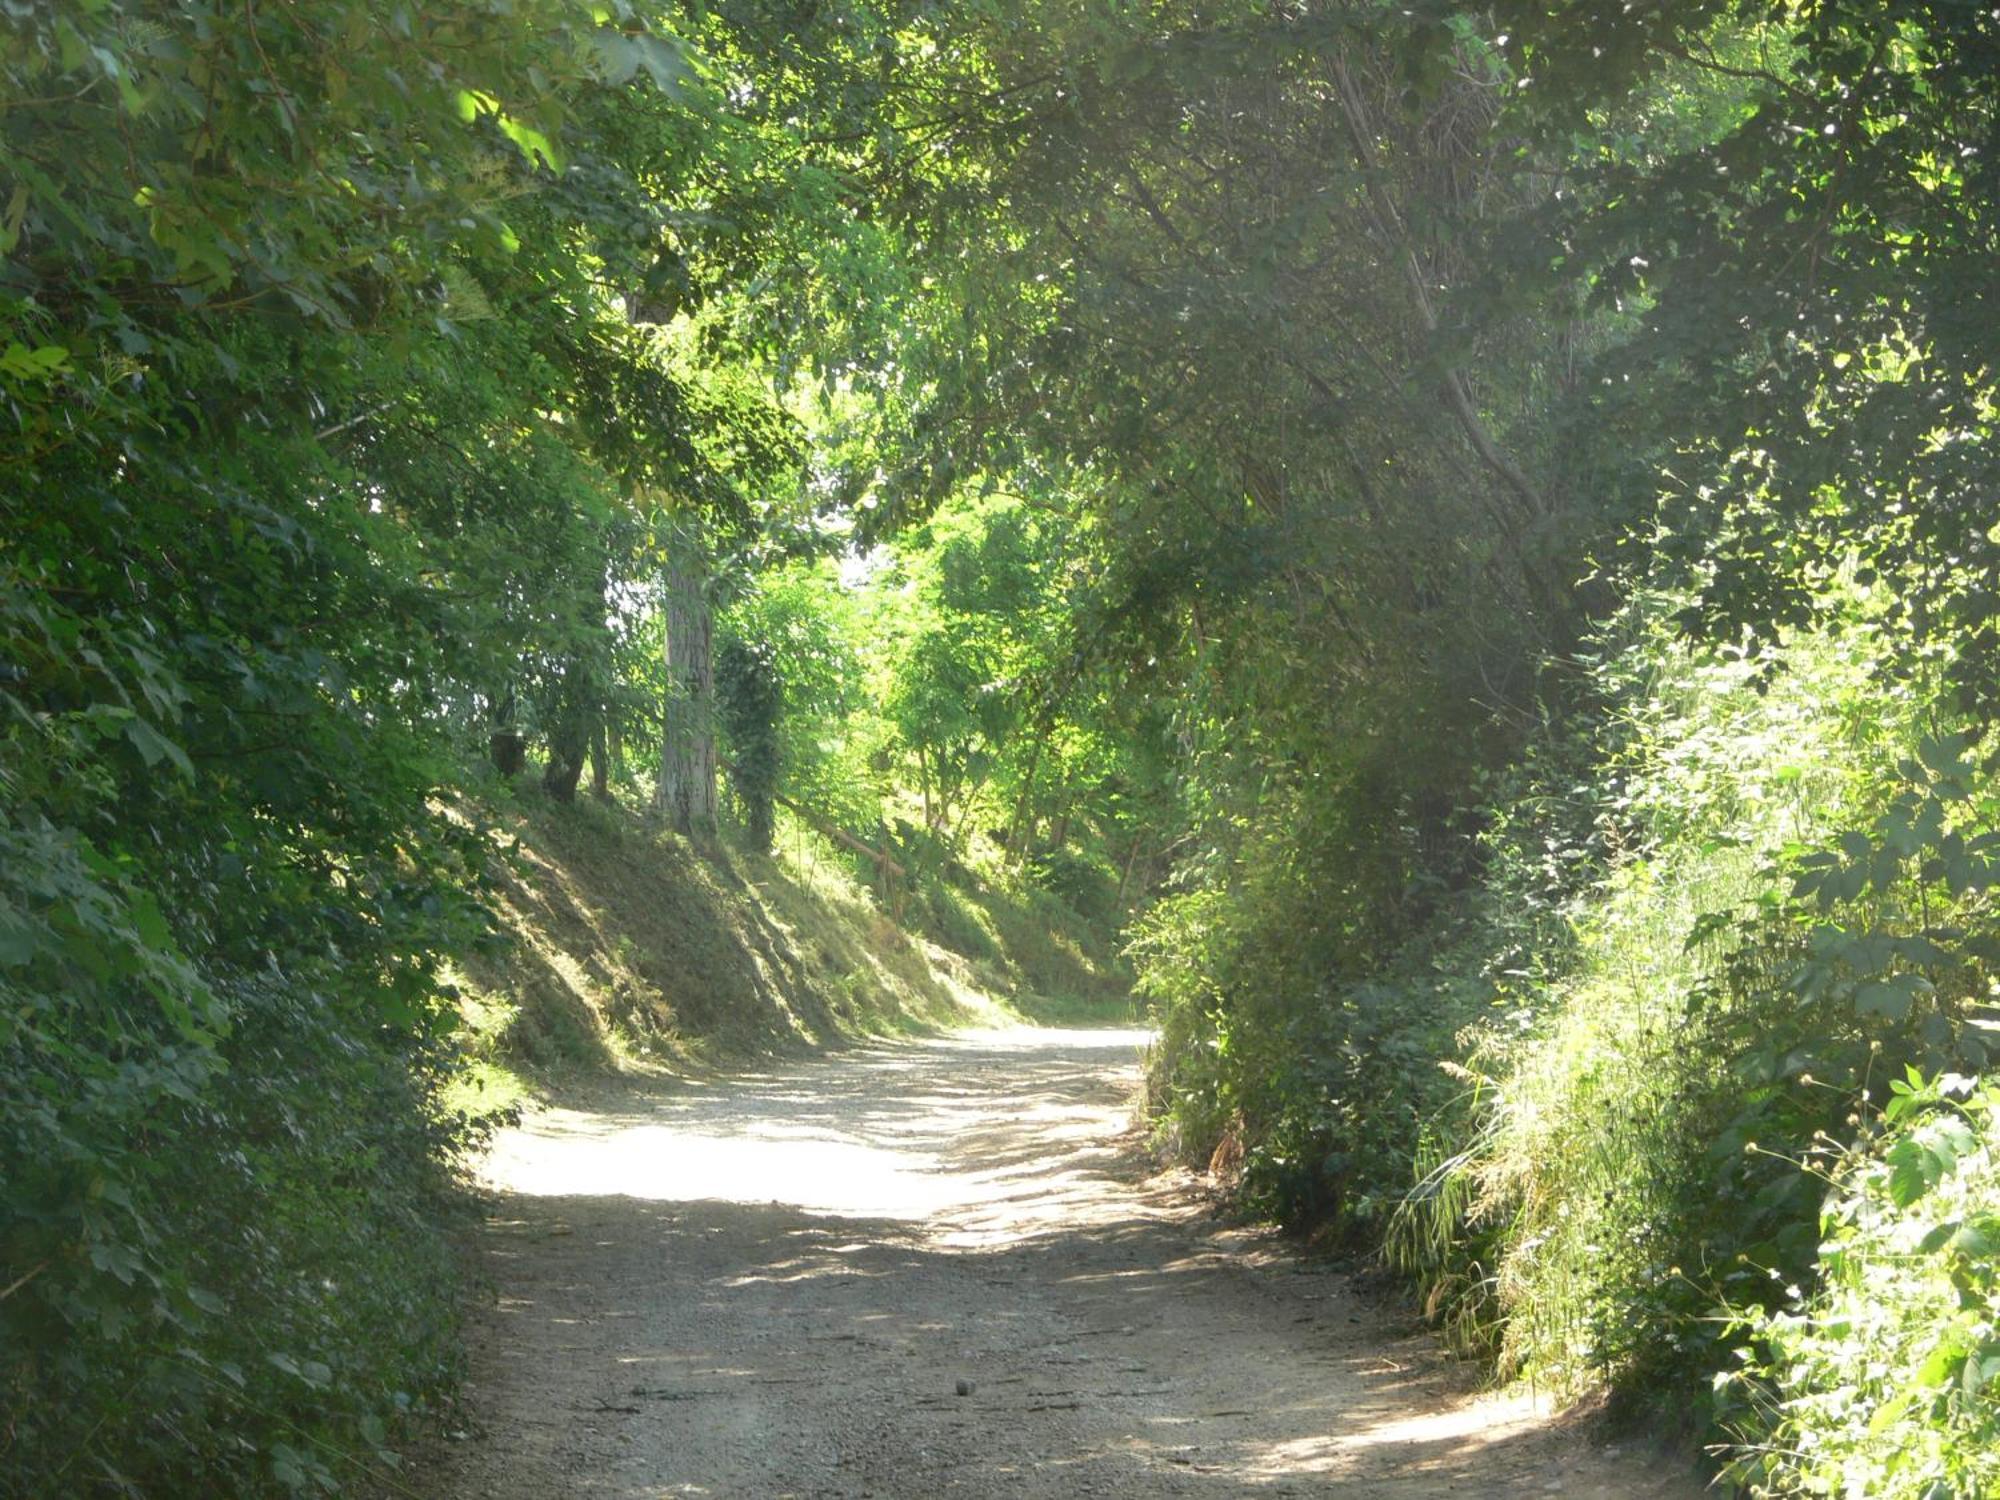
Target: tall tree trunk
685, 791
1059, 834
1131, 860
600, 764
1017, 829
508, 748
567, 747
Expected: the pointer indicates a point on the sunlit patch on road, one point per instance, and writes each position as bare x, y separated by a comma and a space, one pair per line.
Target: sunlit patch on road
984, 1135
942, 1268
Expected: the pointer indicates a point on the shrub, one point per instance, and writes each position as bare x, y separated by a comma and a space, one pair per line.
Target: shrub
1879, 1380
1764, 935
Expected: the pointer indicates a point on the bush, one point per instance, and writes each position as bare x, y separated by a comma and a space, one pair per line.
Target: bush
1087, 885
1713, 900
1880, 1380
255, 1303
219, 1046
1325, 1078
1764, 932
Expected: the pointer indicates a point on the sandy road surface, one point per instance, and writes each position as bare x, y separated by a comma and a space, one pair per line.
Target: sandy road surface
774, 1285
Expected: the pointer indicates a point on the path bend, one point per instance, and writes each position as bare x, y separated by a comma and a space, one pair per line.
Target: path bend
942, 1267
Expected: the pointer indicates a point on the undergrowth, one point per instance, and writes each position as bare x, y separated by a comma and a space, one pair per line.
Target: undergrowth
1719, 903
1880, 1379
623, 947
1590, 1179
266, 1307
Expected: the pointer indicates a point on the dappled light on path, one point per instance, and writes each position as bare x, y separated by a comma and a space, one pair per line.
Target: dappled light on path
997, 1133
942, 1267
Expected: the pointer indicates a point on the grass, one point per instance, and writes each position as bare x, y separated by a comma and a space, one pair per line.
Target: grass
626, 948
1582, 1217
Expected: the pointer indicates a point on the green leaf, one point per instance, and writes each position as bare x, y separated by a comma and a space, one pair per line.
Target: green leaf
1890, 1412
1877, 997
532, 144
20, 939
1943, 755
21, 364
154, 747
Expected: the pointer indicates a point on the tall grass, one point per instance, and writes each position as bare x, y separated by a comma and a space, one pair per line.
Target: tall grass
1585, 1207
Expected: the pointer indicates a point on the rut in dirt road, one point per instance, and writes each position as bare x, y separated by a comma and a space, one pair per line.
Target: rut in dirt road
942, 1268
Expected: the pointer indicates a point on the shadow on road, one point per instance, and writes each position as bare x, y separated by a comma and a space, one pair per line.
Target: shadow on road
941, 1268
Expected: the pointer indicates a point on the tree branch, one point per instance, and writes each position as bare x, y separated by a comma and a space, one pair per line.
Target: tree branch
1390, 225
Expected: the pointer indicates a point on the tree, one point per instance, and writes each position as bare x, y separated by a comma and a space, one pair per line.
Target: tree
750, 704
685, 790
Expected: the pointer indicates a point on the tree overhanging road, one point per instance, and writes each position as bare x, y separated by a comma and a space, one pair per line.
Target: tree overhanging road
941, 1267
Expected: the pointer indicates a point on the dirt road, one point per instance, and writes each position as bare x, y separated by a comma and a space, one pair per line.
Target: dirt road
941, 1268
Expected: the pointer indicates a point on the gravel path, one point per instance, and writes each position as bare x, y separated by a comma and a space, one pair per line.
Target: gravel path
942, 1268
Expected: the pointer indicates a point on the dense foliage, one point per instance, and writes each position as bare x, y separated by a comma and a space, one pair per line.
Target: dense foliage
1875, 1381
1535, 451
329, 436
1460, 533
